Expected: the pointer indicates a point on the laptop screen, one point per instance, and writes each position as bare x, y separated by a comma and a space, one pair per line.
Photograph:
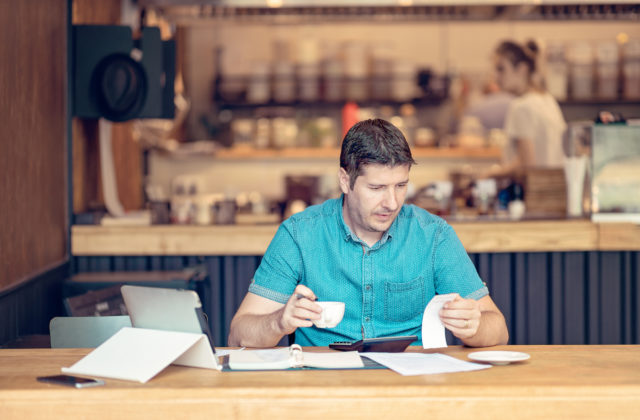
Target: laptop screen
166, 309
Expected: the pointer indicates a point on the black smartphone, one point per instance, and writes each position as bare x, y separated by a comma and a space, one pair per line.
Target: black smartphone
73, 381
382, 344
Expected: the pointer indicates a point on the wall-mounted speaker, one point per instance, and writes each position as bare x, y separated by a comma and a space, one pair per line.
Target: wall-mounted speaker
119, 78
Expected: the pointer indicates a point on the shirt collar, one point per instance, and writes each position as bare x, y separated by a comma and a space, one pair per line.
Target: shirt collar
346, 231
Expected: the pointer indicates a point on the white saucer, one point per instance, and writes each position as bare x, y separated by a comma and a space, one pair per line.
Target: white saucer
498, 357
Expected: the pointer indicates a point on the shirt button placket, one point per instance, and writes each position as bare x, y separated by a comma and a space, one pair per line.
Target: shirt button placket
367, 309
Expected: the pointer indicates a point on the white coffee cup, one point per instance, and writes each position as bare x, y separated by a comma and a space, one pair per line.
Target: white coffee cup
332, 313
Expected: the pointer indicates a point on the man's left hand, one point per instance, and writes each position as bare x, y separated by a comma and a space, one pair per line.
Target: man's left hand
461, 317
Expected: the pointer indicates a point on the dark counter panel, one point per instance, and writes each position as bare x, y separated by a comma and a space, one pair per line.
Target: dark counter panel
26, 309
547, 297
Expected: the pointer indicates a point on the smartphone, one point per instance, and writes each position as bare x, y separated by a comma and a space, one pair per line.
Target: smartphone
383, 344
73, 381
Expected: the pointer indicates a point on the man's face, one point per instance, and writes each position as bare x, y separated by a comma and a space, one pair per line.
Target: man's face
375, 200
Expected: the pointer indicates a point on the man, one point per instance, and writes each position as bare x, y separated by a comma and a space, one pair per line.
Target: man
384, 259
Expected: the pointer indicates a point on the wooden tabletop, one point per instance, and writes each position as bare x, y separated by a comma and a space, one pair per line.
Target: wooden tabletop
477, 237
563, 382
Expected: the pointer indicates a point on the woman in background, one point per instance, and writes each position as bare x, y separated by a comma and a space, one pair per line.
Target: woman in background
534, 123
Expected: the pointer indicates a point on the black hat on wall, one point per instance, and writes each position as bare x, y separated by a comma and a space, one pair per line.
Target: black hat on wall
119, 78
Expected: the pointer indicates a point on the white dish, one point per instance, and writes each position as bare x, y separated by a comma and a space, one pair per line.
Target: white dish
498, 357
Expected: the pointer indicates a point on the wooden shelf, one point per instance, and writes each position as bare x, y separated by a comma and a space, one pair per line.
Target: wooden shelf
423, 101
300, 12
241, 153
599, 102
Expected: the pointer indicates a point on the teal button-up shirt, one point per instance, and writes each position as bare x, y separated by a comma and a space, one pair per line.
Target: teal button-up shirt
385, 287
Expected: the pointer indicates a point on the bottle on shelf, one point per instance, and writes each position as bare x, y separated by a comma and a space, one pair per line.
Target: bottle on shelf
631, 69
557, 71
607, 69
581, 70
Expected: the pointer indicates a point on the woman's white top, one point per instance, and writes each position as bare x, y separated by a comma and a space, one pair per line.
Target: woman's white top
536, 117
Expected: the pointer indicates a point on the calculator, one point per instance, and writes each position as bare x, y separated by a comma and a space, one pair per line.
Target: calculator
382, 344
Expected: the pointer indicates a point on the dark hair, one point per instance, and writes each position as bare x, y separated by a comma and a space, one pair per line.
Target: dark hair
517, 53
373, 141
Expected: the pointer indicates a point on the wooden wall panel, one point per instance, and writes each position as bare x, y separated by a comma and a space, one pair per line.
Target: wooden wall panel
91, 12
33, 193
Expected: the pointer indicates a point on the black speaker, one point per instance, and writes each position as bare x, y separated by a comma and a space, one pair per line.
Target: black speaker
119, 78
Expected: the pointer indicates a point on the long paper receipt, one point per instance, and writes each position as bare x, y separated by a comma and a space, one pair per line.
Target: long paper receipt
432, 327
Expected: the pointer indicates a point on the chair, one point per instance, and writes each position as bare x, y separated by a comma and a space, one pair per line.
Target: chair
101, 302
85, 331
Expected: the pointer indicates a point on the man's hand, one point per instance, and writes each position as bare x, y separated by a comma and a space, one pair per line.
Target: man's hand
299, 310
261, 322
461, 317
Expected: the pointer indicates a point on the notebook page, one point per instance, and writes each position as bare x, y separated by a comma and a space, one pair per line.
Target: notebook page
332, 360
267, 359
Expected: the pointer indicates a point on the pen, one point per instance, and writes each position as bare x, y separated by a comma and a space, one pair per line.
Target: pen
300, 296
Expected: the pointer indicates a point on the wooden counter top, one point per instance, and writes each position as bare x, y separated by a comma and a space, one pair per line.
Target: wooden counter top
557, 382
477, 237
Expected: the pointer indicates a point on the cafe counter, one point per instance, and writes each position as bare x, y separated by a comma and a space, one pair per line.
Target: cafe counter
556, 281
477, 237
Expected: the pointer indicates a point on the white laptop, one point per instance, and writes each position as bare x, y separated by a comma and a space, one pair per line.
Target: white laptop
168, 327
156, 308
164, 309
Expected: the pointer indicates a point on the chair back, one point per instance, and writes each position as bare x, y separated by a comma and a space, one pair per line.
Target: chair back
85, 331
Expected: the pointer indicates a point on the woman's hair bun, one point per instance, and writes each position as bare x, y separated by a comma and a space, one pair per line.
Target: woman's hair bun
532, 46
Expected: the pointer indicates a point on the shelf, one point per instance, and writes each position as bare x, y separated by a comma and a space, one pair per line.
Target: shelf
369, 103
244, 153
301, 11
599, 102
418, 102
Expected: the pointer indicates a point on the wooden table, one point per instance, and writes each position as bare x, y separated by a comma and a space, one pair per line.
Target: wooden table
564, 382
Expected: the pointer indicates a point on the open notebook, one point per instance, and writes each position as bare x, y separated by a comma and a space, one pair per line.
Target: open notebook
292, 357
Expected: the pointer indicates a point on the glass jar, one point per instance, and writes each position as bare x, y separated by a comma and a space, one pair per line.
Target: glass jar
557, 72
581, 71
631, 69
284, 85
607, 70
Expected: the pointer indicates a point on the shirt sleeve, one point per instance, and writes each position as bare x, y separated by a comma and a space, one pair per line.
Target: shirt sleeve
518, 127
454, 271
280, 269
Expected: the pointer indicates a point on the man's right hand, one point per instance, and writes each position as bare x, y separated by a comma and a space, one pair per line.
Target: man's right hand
261, 322
299, 310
